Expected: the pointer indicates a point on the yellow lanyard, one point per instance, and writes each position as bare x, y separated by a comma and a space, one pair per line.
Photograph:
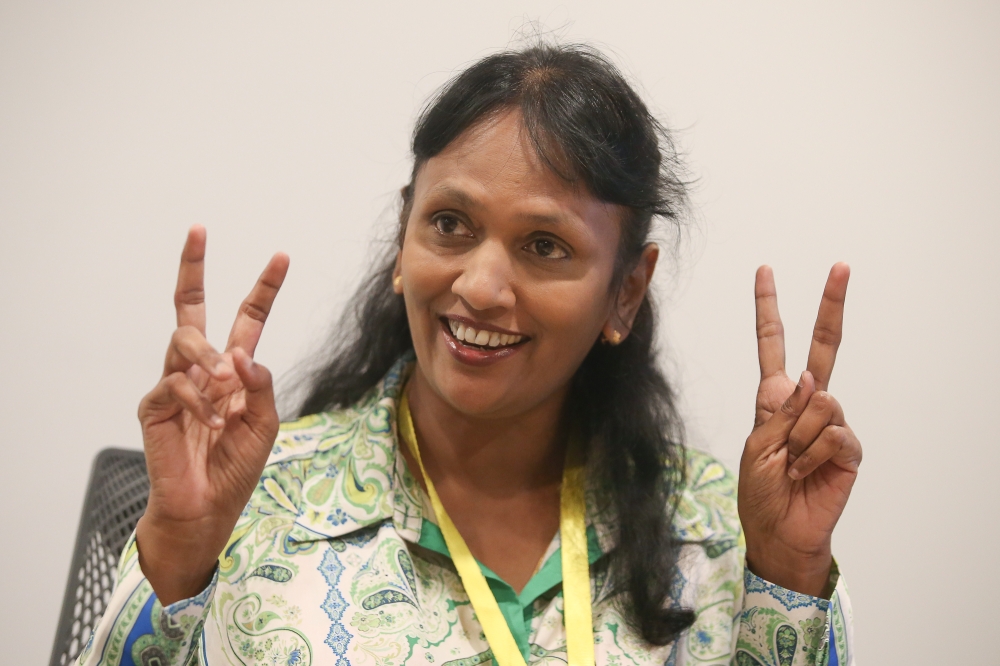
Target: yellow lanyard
575, 566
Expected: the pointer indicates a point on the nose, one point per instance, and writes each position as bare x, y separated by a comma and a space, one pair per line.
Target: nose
485, 281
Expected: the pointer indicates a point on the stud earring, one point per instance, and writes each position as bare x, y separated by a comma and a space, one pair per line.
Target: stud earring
614, 340
396, 281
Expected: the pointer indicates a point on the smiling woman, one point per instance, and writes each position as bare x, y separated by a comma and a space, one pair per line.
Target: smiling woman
489, 467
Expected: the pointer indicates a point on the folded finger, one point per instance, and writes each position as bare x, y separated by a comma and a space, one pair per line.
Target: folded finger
177, 390
189, 297
829, 328
257, 306
822, 410
828, 445
770, 331
189, 347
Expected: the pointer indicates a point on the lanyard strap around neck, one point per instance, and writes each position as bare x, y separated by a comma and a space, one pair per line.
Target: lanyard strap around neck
576, 569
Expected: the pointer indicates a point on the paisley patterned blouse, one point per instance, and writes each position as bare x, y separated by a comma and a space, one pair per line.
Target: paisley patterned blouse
337, 560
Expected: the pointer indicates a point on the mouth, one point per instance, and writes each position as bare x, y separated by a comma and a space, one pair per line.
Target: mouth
481, 338
479, 346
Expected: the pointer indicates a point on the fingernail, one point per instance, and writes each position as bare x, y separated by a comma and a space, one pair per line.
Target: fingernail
217, 421
221, 369
792, 458
802, 379
794, 474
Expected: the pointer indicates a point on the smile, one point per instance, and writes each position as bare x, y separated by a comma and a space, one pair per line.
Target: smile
479, 346
480, 338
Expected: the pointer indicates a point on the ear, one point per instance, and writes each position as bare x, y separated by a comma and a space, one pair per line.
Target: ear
630, 296
397, 274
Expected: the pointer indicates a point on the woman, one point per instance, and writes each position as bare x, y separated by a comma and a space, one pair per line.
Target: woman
489, 467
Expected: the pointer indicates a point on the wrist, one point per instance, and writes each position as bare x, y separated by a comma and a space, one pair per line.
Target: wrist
806, 573
177, 565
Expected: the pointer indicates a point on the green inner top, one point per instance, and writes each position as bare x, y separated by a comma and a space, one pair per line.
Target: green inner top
516, 608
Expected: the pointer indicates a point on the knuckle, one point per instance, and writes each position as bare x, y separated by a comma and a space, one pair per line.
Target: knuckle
839, 436
253, 311
825, 335
788, 407
174, 381
770, 329
822, 400
833, 439
189, 296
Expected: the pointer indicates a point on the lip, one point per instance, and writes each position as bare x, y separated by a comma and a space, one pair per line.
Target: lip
476, 357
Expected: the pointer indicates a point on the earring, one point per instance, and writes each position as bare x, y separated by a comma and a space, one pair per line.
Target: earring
396, 281
614, 341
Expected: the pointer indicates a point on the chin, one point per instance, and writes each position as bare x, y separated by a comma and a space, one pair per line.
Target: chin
477, 391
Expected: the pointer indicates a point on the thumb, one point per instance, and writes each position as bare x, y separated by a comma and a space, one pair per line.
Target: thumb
775, 431
259, 387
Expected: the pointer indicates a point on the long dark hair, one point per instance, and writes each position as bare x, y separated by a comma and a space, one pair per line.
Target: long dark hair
591, 128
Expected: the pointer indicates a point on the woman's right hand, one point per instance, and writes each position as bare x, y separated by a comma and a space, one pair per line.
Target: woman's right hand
208, 427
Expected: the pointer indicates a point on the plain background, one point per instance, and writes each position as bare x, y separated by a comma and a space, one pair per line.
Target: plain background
818, 133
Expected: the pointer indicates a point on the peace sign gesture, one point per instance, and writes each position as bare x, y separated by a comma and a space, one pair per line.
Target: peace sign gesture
801, 458
208, 427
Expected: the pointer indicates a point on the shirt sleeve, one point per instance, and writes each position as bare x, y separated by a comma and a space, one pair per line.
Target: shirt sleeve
779, 627
137, 629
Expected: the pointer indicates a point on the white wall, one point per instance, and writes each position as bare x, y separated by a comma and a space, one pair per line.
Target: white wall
860, 131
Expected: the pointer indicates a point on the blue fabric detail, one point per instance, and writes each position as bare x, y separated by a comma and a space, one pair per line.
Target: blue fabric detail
335, 605
143, 625
834, 660
787, 598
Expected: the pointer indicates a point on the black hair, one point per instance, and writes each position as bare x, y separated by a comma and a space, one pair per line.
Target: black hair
592, 129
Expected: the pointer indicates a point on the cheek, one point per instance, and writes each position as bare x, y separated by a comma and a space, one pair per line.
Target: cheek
570, 314
427, 277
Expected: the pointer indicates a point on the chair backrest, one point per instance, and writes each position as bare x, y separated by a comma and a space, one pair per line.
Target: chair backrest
116, 498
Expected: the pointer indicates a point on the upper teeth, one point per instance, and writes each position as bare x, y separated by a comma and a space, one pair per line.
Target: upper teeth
481, 338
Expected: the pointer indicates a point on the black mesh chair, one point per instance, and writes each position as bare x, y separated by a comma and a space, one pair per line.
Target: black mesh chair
116, 498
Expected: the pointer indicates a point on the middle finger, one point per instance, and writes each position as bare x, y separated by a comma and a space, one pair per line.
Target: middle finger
829, 328
256, 307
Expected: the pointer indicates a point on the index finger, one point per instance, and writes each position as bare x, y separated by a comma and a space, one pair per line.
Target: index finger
770, 332
189, 297
256, 307
829, 327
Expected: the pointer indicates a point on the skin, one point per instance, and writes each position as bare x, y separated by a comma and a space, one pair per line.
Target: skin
497, 238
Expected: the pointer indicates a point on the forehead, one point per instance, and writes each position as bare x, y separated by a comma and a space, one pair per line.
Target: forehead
495, 161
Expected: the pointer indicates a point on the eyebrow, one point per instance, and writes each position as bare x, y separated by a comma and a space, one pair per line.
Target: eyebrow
463, 198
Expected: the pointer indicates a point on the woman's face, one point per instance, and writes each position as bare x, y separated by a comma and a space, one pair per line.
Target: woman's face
506, 271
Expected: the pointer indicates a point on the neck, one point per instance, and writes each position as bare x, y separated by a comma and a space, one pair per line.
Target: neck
499, 457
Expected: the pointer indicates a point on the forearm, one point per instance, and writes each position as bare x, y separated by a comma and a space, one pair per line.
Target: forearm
177, 563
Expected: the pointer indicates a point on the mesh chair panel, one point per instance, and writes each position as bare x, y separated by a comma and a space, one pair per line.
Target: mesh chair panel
116, 498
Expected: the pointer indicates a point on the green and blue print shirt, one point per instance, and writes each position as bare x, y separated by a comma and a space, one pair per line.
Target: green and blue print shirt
337, 560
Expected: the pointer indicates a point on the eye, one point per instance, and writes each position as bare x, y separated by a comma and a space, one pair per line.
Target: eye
547, 248
450, 225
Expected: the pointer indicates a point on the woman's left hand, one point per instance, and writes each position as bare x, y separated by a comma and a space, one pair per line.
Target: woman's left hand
802, 458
